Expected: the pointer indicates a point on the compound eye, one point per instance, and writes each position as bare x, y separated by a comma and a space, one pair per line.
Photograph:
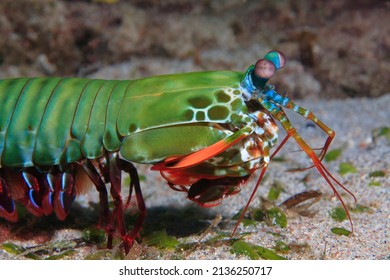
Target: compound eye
277, 58
264, 69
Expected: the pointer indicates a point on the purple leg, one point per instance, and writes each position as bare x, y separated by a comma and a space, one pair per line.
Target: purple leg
7, 204
35, 189
115, 191
110, 170
104, 220
113, 170
134, 183
63, 188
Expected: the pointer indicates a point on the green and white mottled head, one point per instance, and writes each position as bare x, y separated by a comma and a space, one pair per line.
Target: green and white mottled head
176, 115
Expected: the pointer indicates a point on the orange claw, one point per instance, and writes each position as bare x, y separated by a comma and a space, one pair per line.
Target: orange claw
204, 154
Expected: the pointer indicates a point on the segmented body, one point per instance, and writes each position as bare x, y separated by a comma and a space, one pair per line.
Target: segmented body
205, 132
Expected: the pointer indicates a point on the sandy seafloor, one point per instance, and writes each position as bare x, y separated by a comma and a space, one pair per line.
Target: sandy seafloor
354, 121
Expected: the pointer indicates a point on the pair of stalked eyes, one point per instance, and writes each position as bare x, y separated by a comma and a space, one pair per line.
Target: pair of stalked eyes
266, 67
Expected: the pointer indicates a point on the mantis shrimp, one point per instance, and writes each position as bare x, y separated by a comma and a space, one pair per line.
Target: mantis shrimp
205, 132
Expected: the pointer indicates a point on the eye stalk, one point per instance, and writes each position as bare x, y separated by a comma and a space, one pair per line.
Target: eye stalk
266, 67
